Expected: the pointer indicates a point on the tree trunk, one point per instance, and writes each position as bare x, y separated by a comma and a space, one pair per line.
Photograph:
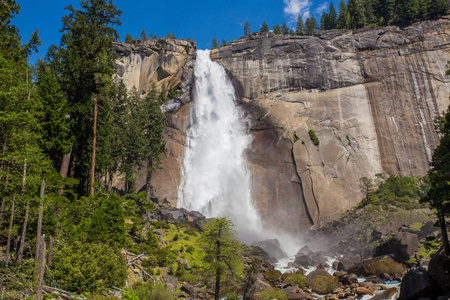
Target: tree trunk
24, 232
217, 288
444, 233
41, 269
39, 224
25, 221
218, 270
8, 244
148, 187
94, 141
2, 209
64, 168
50, 251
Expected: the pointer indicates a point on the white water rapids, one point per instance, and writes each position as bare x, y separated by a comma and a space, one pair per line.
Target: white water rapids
215, 179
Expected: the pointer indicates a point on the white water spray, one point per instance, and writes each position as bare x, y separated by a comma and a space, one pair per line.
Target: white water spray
215, 179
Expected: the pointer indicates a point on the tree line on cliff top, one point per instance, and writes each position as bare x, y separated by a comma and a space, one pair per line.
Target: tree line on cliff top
359, 14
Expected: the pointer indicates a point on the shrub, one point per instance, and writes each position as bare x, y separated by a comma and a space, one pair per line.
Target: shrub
295, 278
161, 292
313, 137
272, 275
161, 225
385, 265
270, 294
324, 284
80, 267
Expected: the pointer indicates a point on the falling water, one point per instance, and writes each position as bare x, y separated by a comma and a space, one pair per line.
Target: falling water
215, 179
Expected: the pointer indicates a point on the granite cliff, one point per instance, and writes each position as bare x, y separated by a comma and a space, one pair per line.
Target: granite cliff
370, 95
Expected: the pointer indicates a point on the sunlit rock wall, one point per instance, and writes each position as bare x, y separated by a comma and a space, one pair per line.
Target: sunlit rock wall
370, 95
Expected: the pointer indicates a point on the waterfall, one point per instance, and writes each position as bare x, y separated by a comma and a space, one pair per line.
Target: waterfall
215, 179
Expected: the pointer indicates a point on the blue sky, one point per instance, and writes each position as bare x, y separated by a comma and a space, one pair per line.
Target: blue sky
199, 20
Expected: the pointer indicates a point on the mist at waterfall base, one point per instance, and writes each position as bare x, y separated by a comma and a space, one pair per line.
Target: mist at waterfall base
215, 179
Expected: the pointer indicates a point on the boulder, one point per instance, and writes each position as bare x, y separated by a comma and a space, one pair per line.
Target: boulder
310, 259
349, 279
385, 230
386, 294
439, 270
361, 291
188, 288
414, 285
168, 279
401, 246
340, 274
262, 254
303, 251
271, 246
318, 272
345, 265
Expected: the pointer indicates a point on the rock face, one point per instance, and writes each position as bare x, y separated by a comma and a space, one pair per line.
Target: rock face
165, 63
370, 96
402, 246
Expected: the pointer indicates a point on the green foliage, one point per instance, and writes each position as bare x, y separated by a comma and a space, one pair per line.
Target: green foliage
296, 138
311, 24
247, 30
295, 278
222, 253
187, 48
161, 225
284, 28
264, 28
80, 267
438, 193
324, 284
143, 35
313, 137
128, 39
272, 275
385, 265
214, 43
270, 294
300, 26
277, 29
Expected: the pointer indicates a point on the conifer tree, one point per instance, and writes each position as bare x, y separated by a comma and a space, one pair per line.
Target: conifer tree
284, 28
247, 30
214, 43
277, 29
143, 35
311, 24
300, 26
87, 30
264, 28
342, 15
332, 17
324, 21
128, 39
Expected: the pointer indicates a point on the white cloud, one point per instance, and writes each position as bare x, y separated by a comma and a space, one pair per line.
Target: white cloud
321, 8
296, 7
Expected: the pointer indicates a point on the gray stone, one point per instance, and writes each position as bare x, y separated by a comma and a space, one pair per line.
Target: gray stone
401, 246
439, 270
414, 285
271, 246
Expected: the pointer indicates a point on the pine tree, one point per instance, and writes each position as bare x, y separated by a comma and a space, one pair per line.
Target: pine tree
224, 42
128, 39
143, 35
300, 26
264, 28
342, 16
369, 13
277, 29
311, 24
87, 30
438, 194
214, 43
324, 21
332, 17
284, 29
247, 30
222, 251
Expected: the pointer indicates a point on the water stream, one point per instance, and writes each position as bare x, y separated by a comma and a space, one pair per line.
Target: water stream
215, 179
